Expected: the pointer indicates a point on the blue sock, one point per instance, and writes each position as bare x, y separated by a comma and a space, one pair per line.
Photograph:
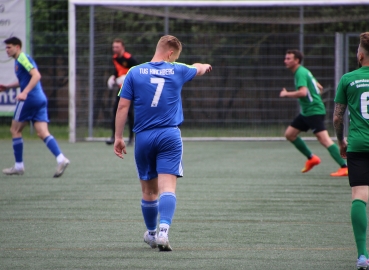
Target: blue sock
18, 149
52, 145
167, 207
150, 213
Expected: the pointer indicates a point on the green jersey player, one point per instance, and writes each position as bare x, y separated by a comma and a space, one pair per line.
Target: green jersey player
353, 92
311, 116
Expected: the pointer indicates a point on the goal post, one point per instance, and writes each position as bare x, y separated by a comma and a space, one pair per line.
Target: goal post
72, 70
228, 106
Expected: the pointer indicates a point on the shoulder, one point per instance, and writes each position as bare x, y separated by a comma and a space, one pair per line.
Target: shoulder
127, 55
26, 61
349, 77
303, 73
352, 73
303, 70
183, 65
24, 58
136, 68
143, 65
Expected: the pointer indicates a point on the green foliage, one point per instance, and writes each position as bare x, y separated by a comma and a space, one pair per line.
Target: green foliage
50, 23
50, 27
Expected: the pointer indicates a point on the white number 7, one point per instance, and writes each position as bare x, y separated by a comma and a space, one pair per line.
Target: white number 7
160, 82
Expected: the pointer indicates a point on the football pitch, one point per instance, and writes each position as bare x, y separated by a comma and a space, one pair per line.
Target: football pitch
241, 205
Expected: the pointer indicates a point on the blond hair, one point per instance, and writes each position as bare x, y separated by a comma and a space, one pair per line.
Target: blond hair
169, 42
364, 42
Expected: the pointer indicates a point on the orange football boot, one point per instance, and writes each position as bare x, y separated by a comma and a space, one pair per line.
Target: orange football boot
310, 163
340, 172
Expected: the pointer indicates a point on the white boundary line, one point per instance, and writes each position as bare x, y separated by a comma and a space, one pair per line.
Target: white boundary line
215, 139
239, 3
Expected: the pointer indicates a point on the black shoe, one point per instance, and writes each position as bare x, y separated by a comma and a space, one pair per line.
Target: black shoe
110, 142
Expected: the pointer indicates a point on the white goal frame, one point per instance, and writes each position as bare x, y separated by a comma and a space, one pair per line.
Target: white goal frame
159, 3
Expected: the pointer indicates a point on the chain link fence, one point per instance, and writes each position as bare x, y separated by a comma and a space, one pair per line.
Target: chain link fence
246, 47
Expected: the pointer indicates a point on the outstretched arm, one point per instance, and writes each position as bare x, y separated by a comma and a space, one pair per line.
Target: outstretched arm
120, 121
339, 111
202, 68
301, 92
4, 87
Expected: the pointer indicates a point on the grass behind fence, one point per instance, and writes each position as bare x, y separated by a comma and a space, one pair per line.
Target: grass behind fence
241, 205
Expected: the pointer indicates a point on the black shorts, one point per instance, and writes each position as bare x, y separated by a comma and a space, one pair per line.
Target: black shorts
358, 168
304, 123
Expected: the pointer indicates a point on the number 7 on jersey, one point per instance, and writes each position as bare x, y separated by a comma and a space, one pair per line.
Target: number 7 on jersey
160, 82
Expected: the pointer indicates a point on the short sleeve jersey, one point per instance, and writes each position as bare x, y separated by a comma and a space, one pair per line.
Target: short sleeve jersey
353, 91
312, 104
155, 89
23, 65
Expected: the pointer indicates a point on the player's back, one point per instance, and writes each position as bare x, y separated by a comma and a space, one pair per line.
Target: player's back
356, 85
155, 90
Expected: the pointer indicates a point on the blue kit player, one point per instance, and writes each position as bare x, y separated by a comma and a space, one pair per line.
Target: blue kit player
31, 106
155, 90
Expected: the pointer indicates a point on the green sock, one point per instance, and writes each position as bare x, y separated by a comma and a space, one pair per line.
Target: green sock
359, 224
335, 153
302, 147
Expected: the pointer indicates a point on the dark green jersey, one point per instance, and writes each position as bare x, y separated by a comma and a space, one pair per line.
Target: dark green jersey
312, 104
353, 91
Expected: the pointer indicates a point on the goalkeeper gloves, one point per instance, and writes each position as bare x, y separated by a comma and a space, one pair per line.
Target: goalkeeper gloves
118, 81
111, 82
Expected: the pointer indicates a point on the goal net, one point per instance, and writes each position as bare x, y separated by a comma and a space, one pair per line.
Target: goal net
244, 41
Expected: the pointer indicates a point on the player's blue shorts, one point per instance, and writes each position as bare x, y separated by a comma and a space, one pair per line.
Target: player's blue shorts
31, 110
159, 151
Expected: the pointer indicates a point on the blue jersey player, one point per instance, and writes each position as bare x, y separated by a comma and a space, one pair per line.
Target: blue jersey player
155, 88
31, 106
